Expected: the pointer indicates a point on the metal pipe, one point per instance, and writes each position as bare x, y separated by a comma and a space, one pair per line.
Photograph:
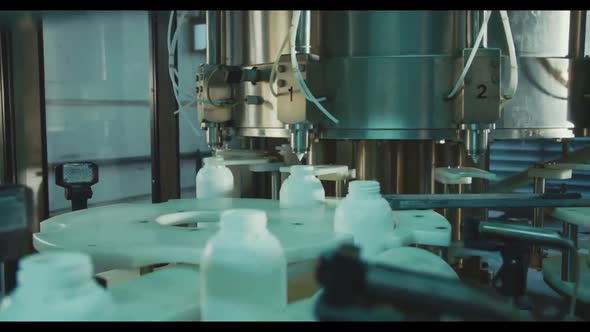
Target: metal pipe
339, 188
474, 19
536, 260
214, 55
538, 188
577, 33
573, 236
565, 255
366, 160
484, 200
274, 185
304, 33
2, 281
417, 166
542, 237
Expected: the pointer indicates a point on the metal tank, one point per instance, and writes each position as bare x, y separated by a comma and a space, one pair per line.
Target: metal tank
252, 39
540, 106
385, 73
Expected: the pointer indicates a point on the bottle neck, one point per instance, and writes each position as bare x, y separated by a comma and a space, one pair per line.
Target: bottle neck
55, 271
243, 221
302, 170
364, 189
213, 162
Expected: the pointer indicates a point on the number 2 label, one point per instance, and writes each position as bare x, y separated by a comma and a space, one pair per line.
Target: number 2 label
482, 91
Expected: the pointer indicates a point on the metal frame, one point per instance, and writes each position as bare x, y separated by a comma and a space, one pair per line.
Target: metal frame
23, 108
7, 145
23, 149
22, 111
164, 123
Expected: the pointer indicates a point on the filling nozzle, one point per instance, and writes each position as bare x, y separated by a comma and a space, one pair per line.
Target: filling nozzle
476, 140
214, 134
300, 138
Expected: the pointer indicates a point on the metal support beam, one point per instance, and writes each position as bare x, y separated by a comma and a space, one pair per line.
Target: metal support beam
22, 112
22, 107
568, 256
275, 183
536, 260
2, 286
164, 123
7, 126
214, 40
577, 33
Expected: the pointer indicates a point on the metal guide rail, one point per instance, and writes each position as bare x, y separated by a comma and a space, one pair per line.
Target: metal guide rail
486, 200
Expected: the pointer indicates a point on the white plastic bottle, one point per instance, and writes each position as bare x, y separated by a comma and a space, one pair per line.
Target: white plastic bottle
214, 180
243, 270
365, 215
56, 286
301, 189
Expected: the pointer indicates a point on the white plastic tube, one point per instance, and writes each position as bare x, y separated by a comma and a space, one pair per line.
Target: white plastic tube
512, 54
172, 46
482, 30
187, 119
297, 73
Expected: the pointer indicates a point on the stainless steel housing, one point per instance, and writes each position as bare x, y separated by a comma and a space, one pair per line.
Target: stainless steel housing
540, 107
385, 73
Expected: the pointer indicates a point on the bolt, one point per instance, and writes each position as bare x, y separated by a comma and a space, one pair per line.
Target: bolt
281, 68
281, 83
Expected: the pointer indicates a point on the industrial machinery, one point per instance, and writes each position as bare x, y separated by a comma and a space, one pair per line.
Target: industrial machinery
394, 107
411, 99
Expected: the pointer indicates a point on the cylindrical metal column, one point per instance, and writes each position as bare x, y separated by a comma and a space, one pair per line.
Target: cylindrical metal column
401, 167
366, 160
214, 40
474, 20
367, 163
274, 184
418, 167
568, 257
538, 188
573, 235
339, 188
577, 33
303, 41
565, 254
579, 74
538, 221
2, 281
